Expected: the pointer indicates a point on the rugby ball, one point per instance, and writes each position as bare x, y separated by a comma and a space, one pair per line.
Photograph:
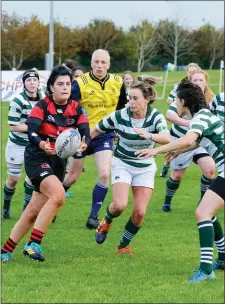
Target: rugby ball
67, 143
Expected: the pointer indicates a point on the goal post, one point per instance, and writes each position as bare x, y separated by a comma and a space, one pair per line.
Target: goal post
170, 67
221, 75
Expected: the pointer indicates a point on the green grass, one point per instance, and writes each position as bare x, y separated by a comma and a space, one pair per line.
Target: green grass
175, 77
77, 270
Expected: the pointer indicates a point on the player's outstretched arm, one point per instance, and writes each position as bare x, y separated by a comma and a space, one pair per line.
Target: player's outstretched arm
172, 155
194, 146
160, 138
184, 142
175, 119
19, 128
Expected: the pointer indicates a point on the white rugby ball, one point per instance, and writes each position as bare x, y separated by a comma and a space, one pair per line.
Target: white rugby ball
67, 143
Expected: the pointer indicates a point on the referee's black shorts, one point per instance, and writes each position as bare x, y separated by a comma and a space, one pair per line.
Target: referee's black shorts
40, 165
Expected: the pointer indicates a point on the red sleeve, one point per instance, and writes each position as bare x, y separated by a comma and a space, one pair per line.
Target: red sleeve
37, 113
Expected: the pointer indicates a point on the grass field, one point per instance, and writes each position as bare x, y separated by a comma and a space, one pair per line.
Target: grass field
77, 270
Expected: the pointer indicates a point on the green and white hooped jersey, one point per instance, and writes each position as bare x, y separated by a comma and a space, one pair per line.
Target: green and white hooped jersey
129, 141
19, 109
173, 94
211, 131
177, 130
217, 106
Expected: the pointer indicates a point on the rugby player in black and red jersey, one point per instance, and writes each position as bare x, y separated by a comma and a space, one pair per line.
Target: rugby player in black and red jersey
51, 115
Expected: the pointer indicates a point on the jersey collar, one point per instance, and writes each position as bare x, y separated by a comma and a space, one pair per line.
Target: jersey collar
30, 98
102, 81
149, 110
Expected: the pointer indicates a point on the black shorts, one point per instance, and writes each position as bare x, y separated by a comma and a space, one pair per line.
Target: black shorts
218, 186
101, 142
196, 157
38, 166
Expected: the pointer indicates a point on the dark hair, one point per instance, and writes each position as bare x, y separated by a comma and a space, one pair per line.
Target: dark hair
184, 79
77, 68
192, 95
145, 84
57, 71
70, 63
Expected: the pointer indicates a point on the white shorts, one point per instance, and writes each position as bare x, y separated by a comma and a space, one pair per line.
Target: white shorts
124, 173
185, 159
222, 174
14, 154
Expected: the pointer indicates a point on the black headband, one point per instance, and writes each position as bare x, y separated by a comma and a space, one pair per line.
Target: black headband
29, 73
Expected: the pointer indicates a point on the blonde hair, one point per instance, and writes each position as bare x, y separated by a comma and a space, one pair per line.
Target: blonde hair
208, 93
192, 65
145, 84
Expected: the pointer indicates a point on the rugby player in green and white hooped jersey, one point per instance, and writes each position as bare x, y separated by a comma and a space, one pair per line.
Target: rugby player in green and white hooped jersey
189, 69
19, 109
137, 126
199, 156
172, 97
179, 165
204, 127
217, 106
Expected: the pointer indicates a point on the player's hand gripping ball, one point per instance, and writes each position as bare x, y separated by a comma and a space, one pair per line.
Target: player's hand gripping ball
67, 143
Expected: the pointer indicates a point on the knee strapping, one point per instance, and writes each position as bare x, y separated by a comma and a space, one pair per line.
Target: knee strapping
14, 171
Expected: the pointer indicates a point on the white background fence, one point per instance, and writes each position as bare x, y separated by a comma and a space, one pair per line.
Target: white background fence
11, 83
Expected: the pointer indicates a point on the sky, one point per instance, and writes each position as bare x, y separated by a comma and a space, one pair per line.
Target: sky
192, 14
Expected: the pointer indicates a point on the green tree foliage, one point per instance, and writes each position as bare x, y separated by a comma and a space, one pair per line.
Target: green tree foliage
66, 42
174, 40
101, 34
22, 39
146, 42
144, 46
209, 45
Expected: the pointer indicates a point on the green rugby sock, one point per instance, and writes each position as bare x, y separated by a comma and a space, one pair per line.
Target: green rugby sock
28, 190
165, 167
109, 217
171, 188
128, 234
219, 238
204, 184
8, 195
206, 236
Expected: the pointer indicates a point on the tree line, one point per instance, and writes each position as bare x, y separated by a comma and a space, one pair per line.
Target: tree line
145, 46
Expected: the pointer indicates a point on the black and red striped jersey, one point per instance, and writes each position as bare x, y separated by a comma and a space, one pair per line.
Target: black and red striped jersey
52, 119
